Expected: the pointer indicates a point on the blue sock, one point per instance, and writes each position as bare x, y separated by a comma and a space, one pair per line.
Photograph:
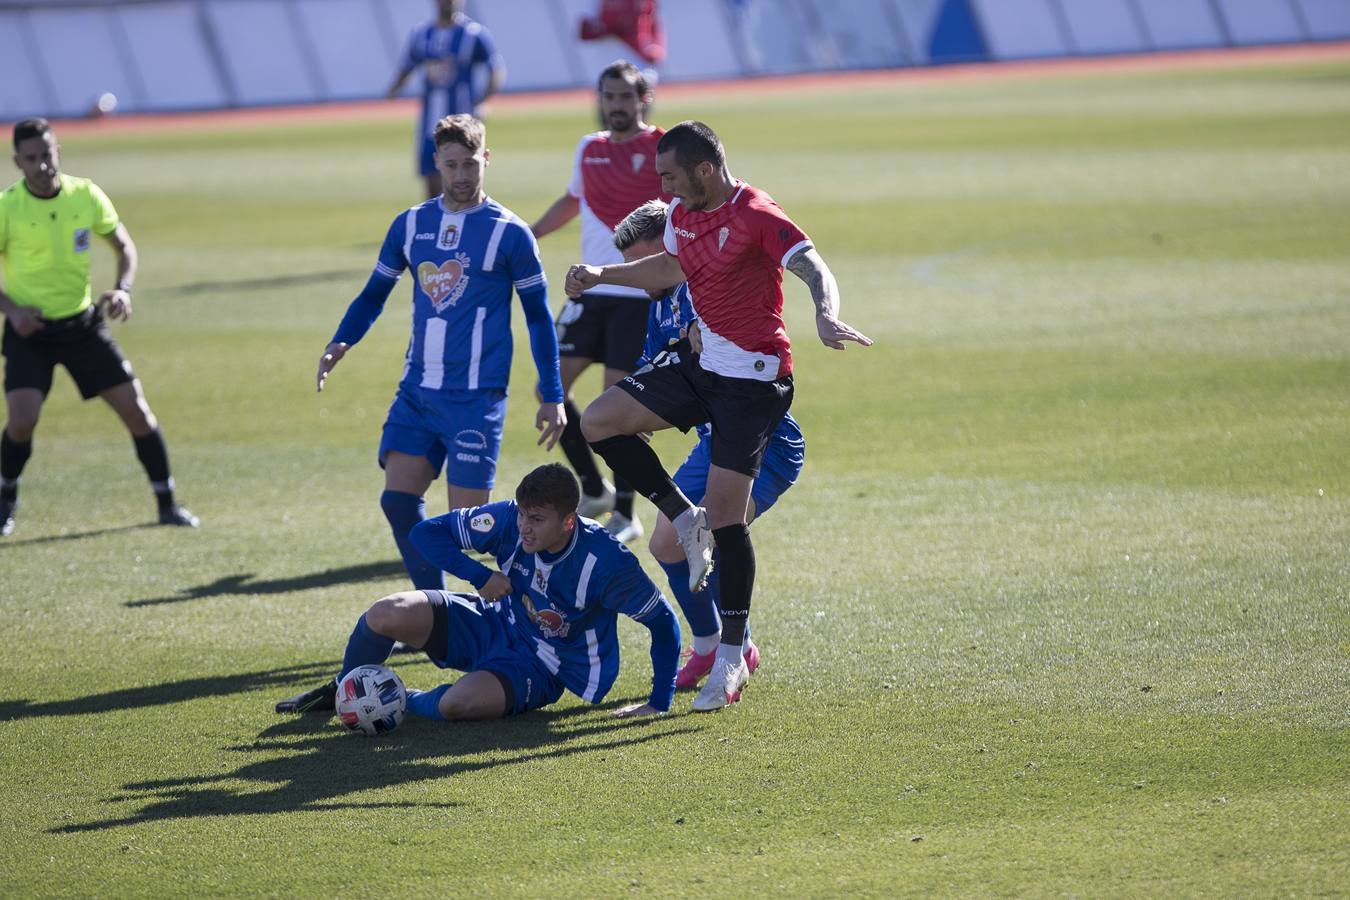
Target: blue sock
700, 610
427, 704
365, 646
404, 510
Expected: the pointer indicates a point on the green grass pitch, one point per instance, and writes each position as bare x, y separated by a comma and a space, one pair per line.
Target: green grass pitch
1059, 605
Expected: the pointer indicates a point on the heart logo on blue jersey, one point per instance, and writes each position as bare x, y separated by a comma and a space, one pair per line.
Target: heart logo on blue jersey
443, 284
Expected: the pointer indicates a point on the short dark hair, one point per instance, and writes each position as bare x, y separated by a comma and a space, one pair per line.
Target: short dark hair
646, 223
693, 143
625, 70
462, 129
30, 128
553, 486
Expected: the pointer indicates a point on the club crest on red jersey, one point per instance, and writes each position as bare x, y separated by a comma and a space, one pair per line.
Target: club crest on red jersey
638, 160
722, 234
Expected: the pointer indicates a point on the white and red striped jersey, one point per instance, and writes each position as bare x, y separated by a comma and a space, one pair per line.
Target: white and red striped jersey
611, 179
733, 258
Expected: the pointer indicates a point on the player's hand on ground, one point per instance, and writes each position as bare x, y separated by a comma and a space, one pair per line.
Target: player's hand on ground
637, 709
581, 278
497, 587
833, 333
25, 320
550, 422
332, 354
117, 302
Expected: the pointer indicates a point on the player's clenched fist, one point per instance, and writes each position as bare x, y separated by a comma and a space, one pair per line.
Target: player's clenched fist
581, 278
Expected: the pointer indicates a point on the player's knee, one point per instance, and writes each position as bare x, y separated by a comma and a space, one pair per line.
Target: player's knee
388, 615
596, 424
20, 428
665, 546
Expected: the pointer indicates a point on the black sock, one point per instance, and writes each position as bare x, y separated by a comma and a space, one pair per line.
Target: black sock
634, 459
623, 496
579, 454
736, 560
13, 457
154, 457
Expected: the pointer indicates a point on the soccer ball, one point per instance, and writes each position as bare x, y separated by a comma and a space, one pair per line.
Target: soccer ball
371, 700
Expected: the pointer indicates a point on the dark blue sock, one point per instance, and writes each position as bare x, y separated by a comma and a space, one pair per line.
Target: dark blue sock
427, 704
365, 646
404, 510
700, 610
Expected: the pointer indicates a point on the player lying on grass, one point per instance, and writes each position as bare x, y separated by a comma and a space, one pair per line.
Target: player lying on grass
670, 326
543, 622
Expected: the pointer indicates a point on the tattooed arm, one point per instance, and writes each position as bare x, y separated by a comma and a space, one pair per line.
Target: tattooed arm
807, 265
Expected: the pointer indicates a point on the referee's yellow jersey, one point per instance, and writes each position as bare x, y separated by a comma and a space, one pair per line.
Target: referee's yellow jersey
45, 244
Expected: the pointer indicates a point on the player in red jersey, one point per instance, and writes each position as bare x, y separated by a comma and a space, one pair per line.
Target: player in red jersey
614, 174
731, 242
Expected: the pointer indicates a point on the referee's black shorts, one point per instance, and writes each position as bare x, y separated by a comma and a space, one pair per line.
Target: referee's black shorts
608, 329
82, 343
743, 411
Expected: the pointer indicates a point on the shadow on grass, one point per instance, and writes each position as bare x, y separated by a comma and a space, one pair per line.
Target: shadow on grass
261, 284
242, 584
172, 692
74, 535
322, 764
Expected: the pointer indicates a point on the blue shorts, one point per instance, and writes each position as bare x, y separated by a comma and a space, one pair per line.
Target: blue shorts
460, 430
472, 635
778, 472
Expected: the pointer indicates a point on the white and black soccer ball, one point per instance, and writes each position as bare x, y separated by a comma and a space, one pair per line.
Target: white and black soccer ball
371, 700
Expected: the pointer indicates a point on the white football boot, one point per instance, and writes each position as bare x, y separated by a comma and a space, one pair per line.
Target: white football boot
624, 528
697, 540
594, 506
724, 685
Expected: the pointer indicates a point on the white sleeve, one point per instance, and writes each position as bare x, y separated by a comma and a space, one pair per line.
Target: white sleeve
575, 187
671, 246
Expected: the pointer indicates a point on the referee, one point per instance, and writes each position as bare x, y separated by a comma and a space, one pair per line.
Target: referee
47, 222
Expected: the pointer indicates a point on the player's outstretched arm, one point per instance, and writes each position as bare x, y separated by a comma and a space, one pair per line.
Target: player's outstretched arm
807, 265
651, 273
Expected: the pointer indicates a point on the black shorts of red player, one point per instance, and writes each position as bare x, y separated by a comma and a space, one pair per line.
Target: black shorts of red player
608, 329
82, 343
743, 412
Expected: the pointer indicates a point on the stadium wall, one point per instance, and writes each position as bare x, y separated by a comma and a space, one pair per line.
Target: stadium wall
168, 55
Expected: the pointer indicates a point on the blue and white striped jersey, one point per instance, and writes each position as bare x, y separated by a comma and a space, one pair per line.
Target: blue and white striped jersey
456, 62
465, 265
565, 605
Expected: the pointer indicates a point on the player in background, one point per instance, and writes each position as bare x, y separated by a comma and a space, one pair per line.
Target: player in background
461, 69
672, 331
47, 223
613, 173
731, 242
466, 252
543, 622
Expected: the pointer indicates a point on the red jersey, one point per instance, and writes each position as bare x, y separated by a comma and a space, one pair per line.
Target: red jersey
733, 258
611, 179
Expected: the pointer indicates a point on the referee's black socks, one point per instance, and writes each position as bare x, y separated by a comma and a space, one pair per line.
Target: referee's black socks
154, 457
13, 457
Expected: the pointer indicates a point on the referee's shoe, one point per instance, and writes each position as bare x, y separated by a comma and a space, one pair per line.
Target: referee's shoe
173, 514
322, 699
7, 508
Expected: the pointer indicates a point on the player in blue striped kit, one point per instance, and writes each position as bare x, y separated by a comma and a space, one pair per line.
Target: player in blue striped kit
668, 335
461, 69
467, 253
543, 622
